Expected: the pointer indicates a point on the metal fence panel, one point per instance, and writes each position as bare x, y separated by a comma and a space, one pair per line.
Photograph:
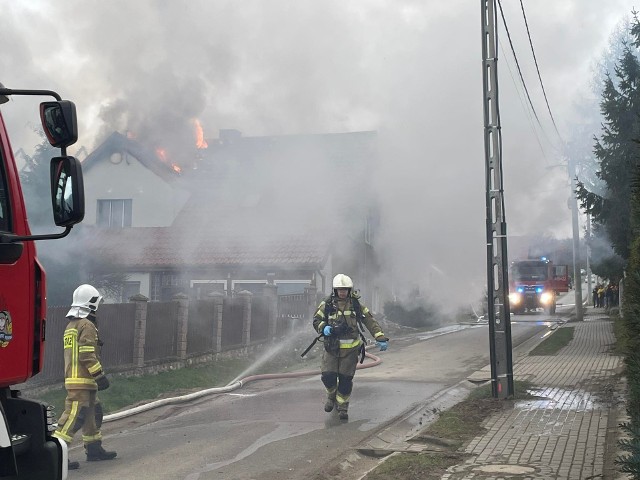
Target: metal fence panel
161, 333
232, 322
201, 327
259, 318
53, 368
116, 326
292, 311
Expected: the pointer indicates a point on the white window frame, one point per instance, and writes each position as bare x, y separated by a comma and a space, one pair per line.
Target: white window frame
233, 283
265, 282
194, 282
110, 223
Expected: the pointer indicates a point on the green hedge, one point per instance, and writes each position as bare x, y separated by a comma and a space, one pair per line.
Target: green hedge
628, 343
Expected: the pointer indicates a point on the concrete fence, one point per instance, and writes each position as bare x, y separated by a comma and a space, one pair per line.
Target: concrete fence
144, 336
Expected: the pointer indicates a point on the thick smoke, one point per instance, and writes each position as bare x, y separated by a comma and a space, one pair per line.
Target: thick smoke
410, 70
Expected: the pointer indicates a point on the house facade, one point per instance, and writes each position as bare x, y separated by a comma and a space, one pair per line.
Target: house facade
289, 211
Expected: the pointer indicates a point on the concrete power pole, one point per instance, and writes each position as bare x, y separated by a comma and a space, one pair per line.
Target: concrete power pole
589, 286
577, 277
497, 268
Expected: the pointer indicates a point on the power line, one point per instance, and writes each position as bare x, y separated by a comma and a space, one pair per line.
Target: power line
526, 23
524, 85
515, 57
524, 106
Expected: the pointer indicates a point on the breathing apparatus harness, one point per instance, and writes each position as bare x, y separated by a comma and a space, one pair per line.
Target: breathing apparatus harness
332, 342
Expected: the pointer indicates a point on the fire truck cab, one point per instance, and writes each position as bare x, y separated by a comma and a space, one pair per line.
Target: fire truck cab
535, 283
27, 449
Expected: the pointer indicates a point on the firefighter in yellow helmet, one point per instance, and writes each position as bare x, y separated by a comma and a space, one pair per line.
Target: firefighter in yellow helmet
83, 376
340, 319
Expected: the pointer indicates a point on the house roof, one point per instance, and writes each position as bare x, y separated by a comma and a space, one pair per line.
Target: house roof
150, 248
116, 142
255, 201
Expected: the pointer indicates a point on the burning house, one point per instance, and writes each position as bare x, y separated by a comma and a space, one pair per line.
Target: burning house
241, 212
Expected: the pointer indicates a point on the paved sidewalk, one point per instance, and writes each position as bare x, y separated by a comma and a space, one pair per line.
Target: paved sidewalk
571, 431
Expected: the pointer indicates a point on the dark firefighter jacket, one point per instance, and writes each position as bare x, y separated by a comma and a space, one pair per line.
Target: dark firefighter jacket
81, 355
341, 315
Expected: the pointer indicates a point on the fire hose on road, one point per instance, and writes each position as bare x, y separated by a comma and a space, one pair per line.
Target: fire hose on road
228, 388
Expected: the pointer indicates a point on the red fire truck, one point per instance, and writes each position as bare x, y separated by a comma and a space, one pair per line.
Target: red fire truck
27, 449
535, 283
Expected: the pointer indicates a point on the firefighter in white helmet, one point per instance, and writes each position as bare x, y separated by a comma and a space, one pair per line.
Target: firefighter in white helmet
83, 376
340, 319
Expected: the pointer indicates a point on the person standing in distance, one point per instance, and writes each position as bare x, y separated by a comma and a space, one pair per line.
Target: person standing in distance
340, 319
83, 376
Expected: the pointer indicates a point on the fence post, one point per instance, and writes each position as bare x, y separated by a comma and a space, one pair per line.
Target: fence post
270, 292
246, 316
217, 300
140, 329
183, 323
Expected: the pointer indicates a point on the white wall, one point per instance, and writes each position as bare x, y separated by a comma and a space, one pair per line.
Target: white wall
155, 202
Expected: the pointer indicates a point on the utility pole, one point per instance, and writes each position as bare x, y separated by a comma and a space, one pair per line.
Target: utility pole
577, 280
497, 268
589, 299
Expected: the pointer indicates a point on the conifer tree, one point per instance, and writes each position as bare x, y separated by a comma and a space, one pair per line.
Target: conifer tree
618, 148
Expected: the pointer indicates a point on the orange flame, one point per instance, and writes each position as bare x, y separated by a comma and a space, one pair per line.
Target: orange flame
162, 154
176, 168
200, 141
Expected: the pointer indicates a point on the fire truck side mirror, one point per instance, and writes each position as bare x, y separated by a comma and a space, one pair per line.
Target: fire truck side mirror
59, 122
67, 191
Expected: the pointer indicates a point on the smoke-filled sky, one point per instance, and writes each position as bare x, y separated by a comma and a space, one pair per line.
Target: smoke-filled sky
409, 69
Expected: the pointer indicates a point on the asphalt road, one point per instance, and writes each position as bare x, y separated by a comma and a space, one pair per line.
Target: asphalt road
277, 429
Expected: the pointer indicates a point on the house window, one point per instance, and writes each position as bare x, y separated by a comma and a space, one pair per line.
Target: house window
164, 285
201, 288
290, 287
129, 289
254, 286
114, 213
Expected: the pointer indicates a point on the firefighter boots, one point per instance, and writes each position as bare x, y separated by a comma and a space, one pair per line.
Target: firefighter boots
328, 405
95, 452
342, 411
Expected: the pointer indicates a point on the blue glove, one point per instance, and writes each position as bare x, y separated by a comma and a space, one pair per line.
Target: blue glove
327, 330
383, 345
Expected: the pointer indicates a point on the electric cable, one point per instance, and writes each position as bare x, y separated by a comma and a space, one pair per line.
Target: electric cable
524, 107
535, 60
515, 57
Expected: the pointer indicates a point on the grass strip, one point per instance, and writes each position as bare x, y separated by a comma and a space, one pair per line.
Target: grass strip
449, 432
134, 390
554, 342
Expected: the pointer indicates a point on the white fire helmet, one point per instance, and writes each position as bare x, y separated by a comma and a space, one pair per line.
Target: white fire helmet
342, 281
85, 300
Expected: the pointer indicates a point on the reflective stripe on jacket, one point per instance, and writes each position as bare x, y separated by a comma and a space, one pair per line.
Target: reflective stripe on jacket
81, 355
345, 314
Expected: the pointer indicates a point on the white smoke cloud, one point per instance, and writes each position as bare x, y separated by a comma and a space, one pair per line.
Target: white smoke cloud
409, 69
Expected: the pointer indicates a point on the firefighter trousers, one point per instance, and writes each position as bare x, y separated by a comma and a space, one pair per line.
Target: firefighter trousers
337, 376
82, 410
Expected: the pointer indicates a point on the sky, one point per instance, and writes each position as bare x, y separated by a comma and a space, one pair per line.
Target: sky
410, 70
